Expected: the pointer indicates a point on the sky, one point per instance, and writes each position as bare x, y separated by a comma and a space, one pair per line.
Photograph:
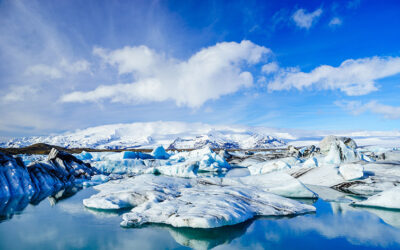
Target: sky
314, 65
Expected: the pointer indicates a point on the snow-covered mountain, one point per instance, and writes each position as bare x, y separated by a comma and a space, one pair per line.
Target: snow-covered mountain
195, 135
148, 135
228, 140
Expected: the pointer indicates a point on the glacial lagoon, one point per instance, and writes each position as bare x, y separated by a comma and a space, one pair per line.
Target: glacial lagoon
66, 224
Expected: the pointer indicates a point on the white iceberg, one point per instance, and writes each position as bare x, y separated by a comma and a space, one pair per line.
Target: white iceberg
273, 165
207, 160
386, 199
200, 202
339, 153
351, 171
213, 206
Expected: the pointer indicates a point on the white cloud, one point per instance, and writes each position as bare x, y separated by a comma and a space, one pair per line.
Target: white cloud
44, 70
336, 21
19, 93
305, 20
74, 67
270, 68
354, 77
58, 71
357, 108
210, 73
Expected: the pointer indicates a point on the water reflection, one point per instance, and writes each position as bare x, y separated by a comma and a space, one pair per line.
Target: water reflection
335, 225
206, 238
10, 206
16, 204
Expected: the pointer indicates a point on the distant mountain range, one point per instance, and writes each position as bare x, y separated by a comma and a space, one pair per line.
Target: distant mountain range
172, 135
181, 135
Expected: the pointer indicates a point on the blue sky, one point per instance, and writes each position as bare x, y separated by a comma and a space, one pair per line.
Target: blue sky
326, 65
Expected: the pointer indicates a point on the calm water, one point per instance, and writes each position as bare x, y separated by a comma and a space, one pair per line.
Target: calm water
67, 224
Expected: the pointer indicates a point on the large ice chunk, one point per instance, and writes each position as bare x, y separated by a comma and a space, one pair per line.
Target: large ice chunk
339, 153
325, 144
14, 177
209, 206
387, 199
199, 202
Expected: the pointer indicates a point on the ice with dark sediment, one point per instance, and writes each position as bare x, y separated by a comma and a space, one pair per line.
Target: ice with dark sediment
59, 170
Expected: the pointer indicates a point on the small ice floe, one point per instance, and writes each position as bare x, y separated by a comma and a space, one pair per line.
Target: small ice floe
387, 199
207, 159
96, 180
311, 162
122, 166
159, 153
351, 171
273, 165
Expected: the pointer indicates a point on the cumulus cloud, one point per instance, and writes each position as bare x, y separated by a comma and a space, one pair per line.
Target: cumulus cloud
336, 21
353, 77
304, 19
357, 108
210, 73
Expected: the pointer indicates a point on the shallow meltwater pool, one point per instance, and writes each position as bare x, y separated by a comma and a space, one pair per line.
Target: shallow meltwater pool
68, 224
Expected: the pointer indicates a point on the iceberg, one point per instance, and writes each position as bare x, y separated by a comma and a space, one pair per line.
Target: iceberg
326, 144
208, 160
159, 153
269, 166
14, 177
200, 202
209, 206
387, 199
58, 171
125, 166
339, 153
